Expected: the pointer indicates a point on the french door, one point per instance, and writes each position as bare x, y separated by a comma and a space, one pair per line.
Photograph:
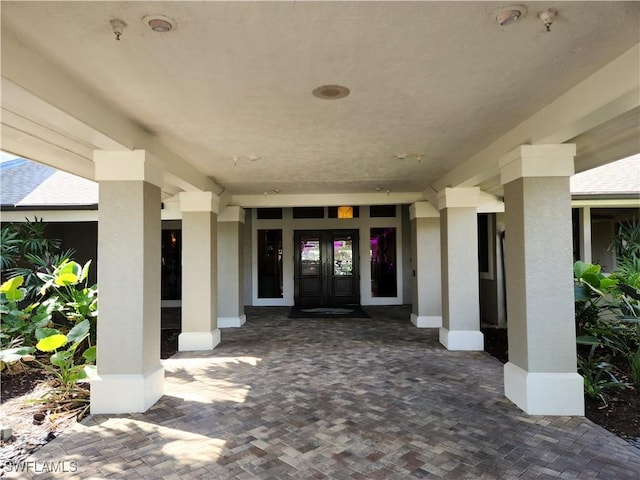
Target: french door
326, 267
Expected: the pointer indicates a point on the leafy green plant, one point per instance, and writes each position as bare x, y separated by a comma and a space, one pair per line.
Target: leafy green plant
63, 362
597, 375
75, 301
27, 251
9, 247
14, 353
19, 324
43, 264
33, 237
591, 290
626, 243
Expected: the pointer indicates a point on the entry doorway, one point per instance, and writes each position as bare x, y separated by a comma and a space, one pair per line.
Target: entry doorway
326, 267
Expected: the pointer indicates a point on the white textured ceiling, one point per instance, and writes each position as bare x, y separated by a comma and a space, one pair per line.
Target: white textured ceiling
235, 79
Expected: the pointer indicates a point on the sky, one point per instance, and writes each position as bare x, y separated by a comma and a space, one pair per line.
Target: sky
5, 157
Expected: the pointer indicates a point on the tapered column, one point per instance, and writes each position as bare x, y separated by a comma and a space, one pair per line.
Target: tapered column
199, 272
230, 267
425, 254
460, 278
540, 376
130, 377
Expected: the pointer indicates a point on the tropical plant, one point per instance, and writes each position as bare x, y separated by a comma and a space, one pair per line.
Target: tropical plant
9, 247
33, 237
626, 243
67, 367
36, 265
591, 290
608, 308
597, 375
19, 324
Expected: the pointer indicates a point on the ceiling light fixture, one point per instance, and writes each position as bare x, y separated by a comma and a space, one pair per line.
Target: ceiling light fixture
117, 26
509, 15
547, 16
345, 212
331, 92
159, 23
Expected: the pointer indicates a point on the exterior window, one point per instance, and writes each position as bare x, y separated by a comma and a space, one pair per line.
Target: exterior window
379, 211
269, 213
171, 283
269, 263
485, 245
308, 212
383, 262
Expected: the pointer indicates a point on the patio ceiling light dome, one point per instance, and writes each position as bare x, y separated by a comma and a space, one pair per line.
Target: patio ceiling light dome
507, 16
159, 23
331, 92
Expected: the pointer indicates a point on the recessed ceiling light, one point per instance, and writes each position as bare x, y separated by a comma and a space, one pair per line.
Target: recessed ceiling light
331, 92
159, 23
509, 15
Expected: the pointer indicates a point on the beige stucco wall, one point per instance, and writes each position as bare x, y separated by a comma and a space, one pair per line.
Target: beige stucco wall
129, 277
230, 266
426, 265
539, 274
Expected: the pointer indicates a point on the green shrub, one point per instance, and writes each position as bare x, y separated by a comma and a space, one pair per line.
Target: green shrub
597, 375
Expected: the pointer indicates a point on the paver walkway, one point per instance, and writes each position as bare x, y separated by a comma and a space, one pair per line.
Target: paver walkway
336, 399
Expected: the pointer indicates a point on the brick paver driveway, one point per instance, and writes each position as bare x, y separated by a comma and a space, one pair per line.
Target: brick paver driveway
337, 399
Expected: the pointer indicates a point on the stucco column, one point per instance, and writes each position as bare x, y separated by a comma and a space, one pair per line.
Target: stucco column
199, 272
230, 267
130, 377
584, 220
540, 376
425, 258
460, 277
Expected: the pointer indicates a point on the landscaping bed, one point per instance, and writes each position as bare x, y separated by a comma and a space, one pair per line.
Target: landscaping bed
621, 412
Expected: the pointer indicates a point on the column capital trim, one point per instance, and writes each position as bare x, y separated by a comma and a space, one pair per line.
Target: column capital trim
459, 198
537, 161
199, 202
232, 214
128, 165
422, 210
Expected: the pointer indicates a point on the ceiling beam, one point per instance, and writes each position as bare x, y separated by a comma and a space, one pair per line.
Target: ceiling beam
610, 92
316, 200
36, 89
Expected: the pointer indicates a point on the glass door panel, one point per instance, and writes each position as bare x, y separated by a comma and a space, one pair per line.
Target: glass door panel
270, 264
382, 247
343, 257
310, 258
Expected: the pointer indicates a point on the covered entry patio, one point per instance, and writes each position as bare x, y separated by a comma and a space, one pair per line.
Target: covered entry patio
211, 110
338, 399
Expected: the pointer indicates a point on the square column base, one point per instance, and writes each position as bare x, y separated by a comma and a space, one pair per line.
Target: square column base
127, 393
423, 321
197, 341
543, 393
462, 339
231, 322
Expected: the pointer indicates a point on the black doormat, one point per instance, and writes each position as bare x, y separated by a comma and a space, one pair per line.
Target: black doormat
346, 311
